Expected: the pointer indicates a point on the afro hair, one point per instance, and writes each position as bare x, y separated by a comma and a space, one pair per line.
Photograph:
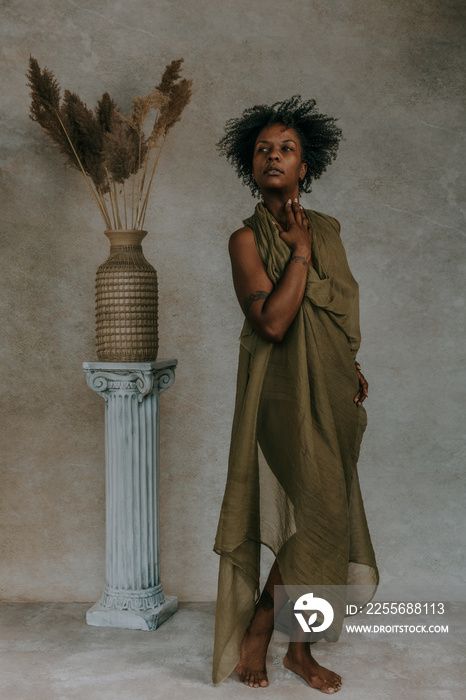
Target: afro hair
318, 134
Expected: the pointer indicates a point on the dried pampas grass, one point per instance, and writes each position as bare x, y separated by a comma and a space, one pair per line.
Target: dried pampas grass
107, 147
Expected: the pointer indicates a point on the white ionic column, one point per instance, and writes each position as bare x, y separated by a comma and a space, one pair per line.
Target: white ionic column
133, 597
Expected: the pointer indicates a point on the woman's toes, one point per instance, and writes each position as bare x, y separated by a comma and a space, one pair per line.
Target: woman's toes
332, 688
256, 680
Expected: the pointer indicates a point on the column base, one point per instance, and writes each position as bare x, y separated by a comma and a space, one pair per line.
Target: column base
100, 616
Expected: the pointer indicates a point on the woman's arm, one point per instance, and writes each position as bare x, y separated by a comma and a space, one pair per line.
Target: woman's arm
271, 311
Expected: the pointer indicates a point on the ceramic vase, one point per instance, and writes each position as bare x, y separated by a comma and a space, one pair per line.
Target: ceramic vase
126, 302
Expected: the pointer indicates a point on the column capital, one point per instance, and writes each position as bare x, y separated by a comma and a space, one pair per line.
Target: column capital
140, 378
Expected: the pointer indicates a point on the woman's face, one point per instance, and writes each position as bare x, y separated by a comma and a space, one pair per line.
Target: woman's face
276, 162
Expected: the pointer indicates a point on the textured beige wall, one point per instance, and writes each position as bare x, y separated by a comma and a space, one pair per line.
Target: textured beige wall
392, 71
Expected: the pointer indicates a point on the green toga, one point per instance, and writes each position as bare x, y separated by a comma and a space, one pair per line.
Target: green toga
292, 481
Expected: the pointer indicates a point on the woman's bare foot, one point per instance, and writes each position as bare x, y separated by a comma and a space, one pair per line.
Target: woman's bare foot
251, 665
313, 673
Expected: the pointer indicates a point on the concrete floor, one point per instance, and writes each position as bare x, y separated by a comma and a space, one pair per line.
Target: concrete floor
48, 652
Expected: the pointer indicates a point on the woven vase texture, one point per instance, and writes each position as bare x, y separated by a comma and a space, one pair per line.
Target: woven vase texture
126, 302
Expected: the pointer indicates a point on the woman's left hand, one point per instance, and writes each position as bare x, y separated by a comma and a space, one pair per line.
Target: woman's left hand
363, 386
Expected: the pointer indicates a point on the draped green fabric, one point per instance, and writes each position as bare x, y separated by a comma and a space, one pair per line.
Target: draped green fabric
292, 481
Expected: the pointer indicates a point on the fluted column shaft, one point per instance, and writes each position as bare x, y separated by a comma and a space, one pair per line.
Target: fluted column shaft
133, 595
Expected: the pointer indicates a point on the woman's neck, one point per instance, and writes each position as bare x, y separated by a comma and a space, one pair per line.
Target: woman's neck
275, 203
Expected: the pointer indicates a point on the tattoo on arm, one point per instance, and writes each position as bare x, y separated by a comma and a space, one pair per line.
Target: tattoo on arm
298, 259
265, 601
255, 296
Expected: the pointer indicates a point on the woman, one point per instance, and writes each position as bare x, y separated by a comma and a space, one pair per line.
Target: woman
300, 395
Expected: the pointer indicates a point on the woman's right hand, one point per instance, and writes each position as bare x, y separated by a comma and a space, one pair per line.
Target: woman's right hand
298, 236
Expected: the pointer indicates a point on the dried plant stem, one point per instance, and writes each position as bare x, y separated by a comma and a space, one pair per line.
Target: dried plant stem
132, 200
134, 215
113, 194
102, 212
110, 194
136, 179
116, 205
124, 203
146, 199
113, 208
142, 180
138, 196
104, 205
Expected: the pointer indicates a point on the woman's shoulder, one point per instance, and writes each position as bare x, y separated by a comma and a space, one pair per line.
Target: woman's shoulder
242, 236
